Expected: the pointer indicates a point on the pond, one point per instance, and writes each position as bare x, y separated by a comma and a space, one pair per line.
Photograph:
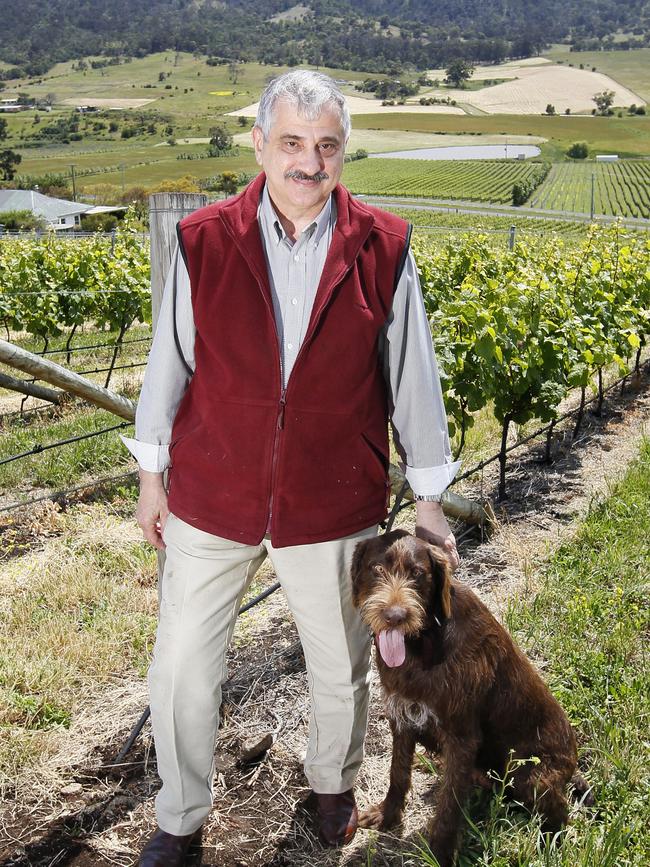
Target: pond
465, 152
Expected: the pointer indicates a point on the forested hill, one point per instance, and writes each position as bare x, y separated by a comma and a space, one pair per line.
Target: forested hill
373, 35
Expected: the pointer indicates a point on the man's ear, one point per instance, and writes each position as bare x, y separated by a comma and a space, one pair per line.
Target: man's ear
440, 608
258, 141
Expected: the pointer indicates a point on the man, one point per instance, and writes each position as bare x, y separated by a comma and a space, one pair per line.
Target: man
291, 327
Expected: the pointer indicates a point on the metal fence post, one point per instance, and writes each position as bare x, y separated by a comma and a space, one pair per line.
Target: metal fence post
511, 237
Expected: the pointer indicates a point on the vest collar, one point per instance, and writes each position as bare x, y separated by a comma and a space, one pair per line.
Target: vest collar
353, 225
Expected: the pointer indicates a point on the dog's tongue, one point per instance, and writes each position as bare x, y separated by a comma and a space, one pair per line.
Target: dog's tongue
391, 646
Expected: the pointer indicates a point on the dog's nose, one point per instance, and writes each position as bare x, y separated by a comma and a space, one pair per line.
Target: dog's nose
395, 615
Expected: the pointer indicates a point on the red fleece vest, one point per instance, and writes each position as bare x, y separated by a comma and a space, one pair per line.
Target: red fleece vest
313, 458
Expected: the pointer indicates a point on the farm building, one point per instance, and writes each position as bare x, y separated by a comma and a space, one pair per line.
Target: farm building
59, 213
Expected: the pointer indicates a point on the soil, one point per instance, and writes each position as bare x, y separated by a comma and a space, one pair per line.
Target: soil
87, 811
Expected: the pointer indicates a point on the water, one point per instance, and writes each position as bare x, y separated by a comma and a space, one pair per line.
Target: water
464, 152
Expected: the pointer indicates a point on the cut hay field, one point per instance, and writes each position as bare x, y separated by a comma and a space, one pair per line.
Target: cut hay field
629, 68
533, 86
621, 188
474, 180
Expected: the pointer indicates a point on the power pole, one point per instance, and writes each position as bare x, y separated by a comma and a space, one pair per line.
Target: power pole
74, 183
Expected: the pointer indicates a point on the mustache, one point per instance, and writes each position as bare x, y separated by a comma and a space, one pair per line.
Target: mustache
302, 176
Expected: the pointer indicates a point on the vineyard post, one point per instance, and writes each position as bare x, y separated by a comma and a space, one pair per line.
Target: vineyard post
511, 238
165, 210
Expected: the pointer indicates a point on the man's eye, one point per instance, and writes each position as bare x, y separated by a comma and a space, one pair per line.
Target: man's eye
291, 144
328, 148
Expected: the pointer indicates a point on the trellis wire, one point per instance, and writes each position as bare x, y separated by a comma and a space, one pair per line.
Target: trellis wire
38, 448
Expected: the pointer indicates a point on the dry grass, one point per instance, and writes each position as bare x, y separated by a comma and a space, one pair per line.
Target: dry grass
78, 617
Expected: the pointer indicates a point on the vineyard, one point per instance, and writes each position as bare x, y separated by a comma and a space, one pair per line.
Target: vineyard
621, 188
472, 180
516, 331
516, 326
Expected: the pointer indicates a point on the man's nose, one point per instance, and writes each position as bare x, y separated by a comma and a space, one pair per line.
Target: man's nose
311, 161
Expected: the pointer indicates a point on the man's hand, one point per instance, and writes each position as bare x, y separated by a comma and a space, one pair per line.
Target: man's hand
152, 511
432, 526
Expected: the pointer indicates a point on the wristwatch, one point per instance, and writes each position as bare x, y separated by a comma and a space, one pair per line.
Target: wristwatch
428, 498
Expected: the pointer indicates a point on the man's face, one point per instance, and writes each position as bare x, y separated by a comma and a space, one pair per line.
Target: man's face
302, 159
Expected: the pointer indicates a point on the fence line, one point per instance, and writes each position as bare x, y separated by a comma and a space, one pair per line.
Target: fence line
92, 346
38, 448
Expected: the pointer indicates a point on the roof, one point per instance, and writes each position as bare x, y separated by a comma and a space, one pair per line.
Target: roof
39, 204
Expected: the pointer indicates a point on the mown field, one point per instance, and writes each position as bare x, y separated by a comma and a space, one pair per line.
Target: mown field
627, 136
475, 180
621, 188
630, 68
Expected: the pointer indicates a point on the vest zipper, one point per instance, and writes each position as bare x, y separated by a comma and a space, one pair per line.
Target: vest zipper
276, 447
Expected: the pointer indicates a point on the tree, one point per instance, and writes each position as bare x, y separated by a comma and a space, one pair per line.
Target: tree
220, 140
227, 183
550, 109
459, 71
8, 159
604, 100
579, 150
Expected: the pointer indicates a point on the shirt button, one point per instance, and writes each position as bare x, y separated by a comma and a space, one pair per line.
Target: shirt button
294, 300
289, 345
296, 258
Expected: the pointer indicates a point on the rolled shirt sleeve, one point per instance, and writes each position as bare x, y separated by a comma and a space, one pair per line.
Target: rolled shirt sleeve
167, 374
418, 414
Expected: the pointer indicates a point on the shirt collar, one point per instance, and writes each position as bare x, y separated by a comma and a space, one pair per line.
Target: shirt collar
273, 227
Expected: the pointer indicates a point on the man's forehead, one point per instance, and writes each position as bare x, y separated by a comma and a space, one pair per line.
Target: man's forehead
287, 121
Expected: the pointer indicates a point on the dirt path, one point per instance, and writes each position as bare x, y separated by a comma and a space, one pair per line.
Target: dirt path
97, 815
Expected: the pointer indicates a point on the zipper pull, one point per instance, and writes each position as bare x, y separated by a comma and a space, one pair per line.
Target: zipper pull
281, 413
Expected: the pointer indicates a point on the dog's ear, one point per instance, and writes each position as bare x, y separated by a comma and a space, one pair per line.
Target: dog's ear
356, 567
440, 607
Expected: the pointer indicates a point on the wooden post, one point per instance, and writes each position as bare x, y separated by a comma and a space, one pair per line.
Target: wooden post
31, 389
165, 210
55, 374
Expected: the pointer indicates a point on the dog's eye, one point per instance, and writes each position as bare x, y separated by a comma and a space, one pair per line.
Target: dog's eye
377, 569
416, 572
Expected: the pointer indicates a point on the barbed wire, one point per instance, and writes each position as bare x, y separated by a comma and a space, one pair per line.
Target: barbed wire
39, 447
61, 495
92, 346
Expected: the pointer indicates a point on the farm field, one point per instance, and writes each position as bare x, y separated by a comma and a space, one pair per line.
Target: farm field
620, 188
626, 136
629, 68
532, 86
474, 180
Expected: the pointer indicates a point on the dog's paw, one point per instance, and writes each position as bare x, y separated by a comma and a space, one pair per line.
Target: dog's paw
377, 818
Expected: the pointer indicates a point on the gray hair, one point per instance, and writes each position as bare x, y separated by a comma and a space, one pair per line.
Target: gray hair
309, 91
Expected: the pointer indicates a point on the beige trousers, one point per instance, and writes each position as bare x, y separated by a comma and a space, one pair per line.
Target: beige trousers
203, 583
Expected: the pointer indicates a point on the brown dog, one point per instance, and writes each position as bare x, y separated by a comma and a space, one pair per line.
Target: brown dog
455, 682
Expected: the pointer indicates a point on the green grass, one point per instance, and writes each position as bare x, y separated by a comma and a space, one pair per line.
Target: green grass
629, 68
475, 180
621, 188
65, 465
588, 623
627, 136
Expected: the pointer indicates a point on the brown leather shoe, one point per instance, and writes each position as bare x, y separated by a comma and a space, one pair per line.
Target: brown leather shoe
167, 850
338, 818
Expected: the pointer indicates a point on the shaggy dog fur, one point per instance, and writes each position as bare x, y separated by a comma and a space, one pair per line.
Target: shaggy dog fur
455, 682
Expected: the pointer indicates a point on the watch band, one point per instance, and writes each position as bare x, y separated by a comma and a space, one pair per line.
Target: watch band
428, 498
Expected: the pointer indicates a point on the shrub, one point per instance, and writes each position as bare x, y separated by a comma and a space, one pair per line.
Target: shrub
579, 150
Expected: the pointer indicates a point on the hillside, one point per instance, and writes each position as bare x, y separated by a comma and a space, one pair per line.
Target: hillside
369, 35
